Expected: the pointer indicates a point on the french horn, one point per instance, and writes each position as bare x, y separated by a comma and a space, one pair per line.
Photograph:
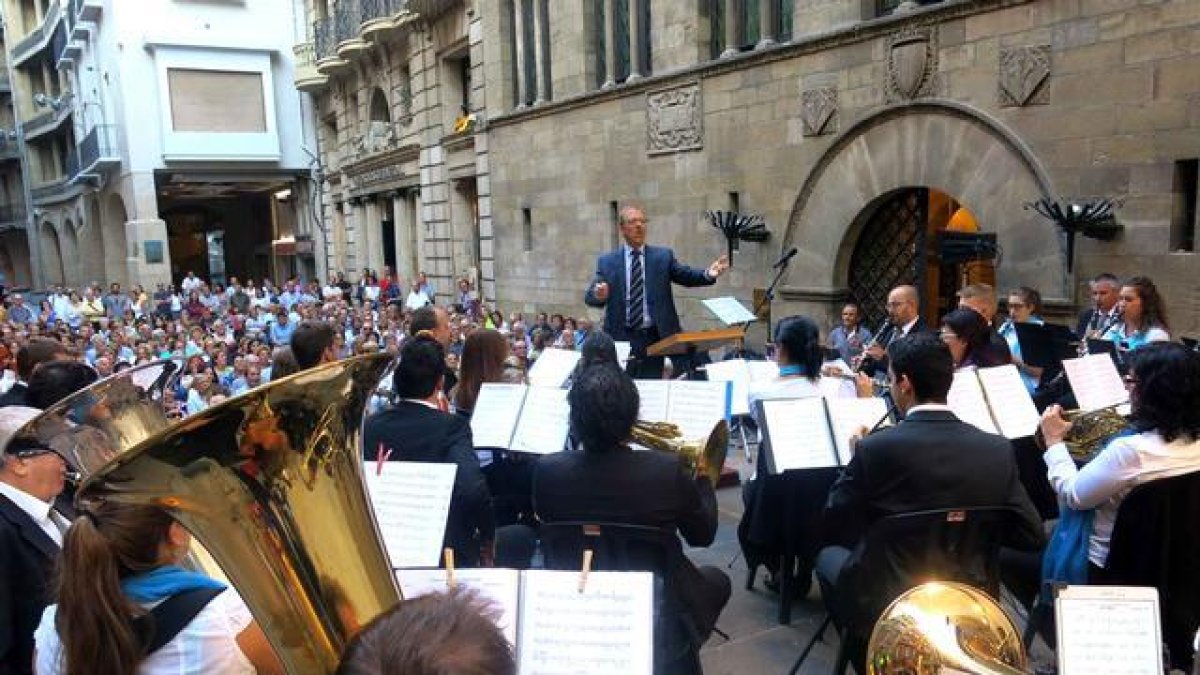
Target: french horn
944, 627
703, 457
1090, 431
271, 483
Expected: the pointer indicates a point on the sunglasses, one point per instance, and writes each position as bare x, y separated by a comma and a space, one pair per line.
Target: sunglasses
30, 453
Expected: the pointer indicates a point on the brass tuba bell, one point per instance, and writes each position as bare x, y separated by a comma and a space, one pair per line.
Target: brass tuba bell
271, 483
703, 457
942, 627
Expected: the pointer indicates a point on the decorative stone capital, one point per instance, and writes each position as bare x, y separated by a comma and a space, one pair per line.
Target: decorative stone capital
674, 119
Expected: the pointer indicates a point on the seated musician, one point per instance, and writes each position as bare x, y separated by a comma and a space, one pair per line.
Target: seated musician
968, 336
1024, 306
120, 561
931, 460
608, 482
904, 318
1164, 391
798, 355
1143, 316
982, 299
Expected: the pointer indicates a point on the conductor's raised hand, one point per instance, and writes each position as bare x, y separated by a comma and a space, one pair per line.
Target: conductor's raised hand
718, 267
600, 290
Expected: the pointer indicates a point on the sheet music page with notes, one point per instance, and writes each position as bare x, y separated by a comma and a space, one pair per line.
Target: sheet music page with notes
697, 406
837, 387
607, 628
729, 310
624, 349
798, 433
737, 373
411, 502
967, 401
652, 399
848, 414
553, 367
544, 422
1009, 400
1108, 630
501, 586
1095, 381
497, 410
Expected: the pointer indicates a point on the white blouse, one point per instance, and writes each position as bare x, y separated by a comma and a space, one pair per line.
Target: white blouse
206, 645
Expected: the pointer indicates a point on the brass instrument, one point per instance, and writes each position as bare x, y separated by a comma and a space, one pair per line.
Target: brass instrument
941, 627
271, 483
1090, 431
703, 457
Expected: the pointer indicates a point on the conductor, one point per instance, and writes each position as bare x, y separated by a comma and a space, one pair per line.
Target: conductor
637, 278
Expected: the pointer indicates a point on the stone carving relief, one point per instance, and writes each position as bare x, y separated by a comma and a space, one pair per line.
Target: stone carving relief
912, 62
380, 136
674, 119
1024, 75
818, 110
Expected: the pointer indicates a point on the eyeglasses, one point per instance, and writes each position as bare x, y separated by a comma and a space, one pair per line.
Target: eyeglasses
30, 453
1016, 305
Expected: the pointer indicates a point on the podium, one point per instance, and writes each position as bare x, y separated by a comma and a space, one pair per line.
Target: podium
695, 341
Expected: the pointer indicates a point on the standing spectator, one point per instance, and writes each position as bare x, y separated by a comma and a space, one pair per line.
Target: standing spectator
850, 337
115, 302
19, 312
190, 282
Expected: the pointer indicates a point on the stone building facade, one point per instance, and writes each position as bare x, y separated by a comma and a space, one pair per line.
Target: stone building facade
862, 131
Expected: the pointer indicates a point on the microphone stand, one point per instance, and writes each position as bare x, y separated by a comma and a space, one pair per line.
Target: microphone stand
767, 298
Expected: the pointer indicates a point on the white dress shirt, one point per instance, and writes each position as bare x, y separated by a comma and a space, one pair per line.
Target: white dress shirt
41, 512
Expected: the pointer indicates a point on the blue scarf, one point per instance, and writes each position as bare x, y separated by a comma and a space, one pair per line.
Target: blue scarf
794, 369
165, 581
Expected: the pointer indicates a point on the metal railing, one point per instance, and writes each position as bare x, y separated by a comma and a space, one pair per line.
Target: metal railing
347, 17
98, 145
323, 38
378, 9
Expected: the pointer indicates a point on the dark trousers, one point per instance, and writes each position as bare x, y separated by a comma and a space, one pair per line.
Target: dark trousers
641, 366
838, 601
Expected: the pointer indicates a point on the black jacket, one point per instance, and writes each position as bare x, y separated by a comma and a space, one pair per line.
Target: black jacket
27, 557
418, 433
883, 338
17, 395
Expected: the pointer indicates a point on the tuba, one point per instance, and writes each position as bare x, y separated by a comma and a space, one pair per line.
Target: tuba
270, 482
941, 627
703, 457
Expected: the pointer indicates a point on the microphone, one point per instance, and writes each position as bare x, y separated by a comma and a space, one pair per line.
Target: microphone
783, 259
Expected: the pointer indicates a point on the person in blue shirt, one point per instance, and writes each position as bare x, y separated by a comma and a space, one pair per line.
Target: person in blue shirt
1024, 306
281, 331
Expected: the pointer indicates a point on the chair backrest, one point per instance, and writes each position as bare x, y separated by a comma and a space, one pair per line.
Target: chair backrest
1154, 543
905, 550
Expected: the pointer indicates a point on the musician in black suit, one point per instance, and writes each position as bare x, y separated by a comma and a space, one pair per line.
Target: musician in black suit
30, 539
1105, 290
904, 318
609, 482
416, 430
931, 460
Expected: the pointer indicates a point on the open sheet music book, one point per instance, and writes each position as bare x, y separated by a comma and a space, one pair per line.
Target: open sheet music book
520, 418
411, 501
553, 367
741, 374
1096, 382
1108, 630
813, 432
729, 310
556, 628
695, 406
994, 400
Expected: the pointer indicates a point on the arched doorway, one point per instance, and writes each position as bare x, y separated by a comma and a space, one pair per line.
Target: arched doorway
898, 242
116, 246
52, 258
68, 243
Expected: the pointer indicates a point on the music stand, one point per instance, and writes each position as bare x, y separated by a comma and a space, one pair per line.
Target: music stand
1045, 345
691, 342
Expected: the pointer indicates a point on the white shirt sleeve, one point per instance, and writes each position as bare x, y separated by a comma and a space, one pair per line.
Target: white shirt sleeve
1114, 470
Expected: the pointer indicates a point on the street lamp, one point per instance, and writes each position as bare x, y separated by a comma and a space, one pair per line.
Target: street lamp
1093, 218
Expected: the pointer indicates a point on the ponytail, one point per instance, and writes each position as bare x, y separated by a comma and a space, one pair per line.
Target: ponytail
94, 619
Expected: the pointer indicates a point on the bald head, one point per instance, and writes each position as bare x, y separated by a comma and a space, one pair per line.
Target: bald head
902, 305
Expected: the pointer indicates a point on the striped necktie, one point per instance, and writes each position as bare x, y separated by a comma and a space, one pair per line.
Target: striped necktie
637, 291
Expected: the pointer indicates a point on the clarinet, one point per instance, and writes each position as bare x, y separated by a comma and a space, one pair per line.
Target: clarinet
875, 340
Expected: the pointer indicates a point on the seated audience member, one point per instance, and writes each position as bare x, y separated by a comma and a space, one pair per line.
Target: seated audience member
1143, 316
39, 350
931, 460
451, 633
1164, 391
967, 335
283, 363
850, 336
312, 344
415, 430
608, 482
119, 562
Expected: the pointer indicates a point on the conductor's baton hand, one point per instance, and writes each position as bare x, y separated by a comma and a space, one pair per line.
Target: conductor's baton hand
718, 267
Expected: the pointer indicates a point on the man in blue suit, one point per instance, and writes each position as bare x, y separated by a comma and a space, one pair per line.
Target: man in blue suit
633, 284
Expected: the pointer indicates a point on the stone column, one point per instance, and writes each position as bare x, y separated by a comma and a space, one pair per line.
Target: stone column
733, 16
522, 51
610, 44
767, 21
540, 39
635, 40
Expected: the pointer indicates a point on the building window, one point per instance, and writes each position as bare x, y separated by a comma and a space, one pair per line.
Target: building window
748, 23
527, 228
1184, 217
215, 101
623, 49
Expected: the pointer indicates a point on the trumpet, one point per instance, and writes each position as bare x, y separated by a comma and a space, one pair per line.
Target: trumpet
703, 457
1090, 431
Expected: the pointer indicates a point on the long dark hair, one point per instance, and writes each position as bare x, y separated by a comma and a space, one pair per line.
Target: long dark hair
800, 340
973, 329
483, 355
94, 618
1154, 310
1167, 394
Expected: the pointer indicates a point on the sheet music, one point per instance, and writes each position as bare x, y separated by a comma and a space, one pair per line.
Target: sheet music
1009, 400
500, 586
729, 310
652, 396
1108, 630
762, 371
553, 367
1095, 381
799, 434
624, 349
837, 387
608, 628
848, 414
697, 406
411, 502
497, 410
967, 401
737, 373
544, 422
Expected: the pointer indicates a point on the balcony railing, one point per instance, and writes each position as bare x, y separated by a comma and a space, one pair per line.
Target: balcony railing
379, 9
324, 40
98, 150
348, 18
37, 38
